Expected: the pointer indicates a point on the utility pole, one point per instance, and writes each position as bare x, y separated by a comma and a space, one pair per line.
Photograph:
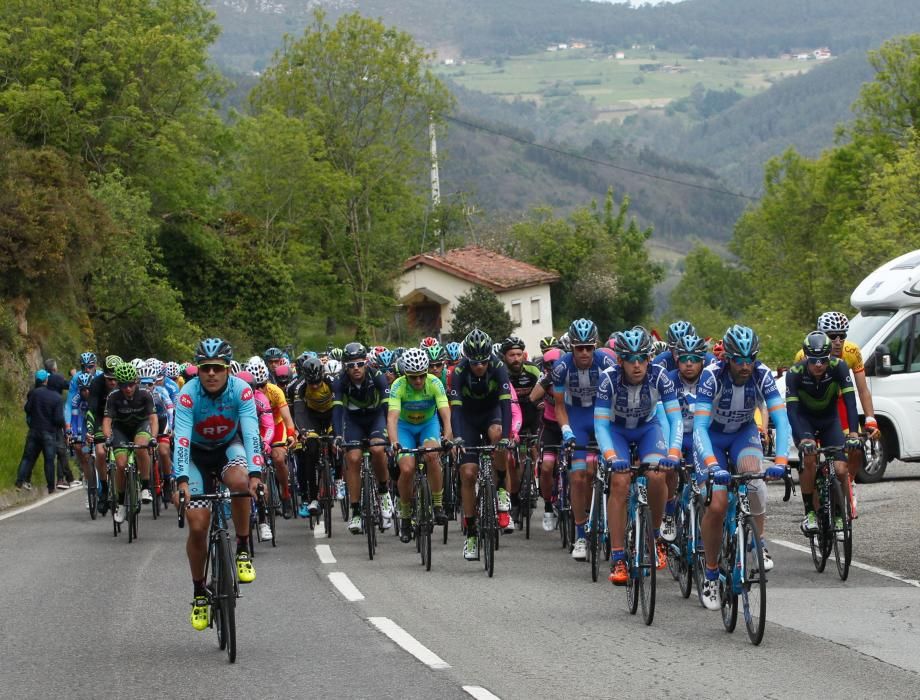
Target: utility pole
435, 184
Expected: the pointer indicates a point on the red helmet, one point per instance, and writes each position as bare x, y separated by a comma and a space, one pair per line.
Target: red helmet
428, 342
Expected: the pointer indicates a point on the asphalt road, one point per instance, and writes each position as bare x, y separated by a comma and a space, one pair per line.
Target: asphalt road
88, 615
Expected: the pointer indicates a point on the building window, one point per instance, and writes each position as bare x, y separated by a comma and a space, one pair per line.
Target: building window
516, 313
535, 310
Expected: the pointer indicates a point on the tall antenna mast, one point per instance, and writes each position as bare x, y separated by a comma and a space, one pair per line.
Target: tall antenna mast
435, 184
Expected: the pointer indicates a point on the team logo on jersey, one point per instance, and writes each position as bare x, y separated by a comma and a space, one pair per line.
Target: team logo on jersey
247, 394
185, 400
215, 427
257, 460
183, 442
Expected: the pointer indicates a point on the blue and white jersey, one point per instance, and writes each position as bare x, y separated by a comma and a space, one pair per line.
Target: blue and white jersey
164, 406
686, 397
579, 386
171, 387
73, 393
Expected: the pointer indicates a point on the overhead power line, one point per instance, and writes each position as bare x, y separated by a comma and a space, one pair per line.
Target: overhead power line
596, 161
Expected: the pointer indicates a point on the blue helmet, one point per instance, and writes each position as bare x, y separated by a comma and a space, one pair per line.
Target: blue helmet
582, 331
690, 344
678, 330
740, 341
87, 358
84, 379
213, 349
453, 351
385, 360
635, 341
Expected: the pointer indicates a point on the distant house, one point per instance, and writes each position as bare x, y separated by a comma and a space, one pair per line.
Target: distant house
803, 56
620, 55
822, 54
449, 61
563, 47
430, 284
579, 45
552, 48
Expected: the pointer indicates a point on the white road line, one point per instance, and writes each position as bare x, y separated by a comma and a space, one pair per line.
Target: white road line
408, 642
320, 529
855, 564
324, 552
480, 693
41, 502
341, 581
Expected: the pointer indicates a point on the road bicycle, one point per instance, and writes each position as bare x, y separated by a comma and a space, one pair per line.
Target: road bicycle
834, 516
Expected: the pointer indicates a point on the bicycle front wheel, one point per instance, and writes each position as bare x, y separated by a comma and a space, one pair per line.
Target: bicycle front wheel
274, 504
92, 492
526, 494
843, 535
368, 491
488, 527
132, 501
327, 497
224, 605
648, 563
632, 582
753, 584
594, 530
726, 589
683, 555
425, 521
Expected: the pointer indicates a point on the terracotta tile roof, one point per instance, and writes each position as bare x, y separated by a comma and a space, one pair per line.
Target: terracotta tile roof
484, 267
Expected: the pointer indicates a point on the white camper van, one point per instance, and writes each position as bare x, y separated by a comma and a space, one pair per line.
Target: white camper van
887, 329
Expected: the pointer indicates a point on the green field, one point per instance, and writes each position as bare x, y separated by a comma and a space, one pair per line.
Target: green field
617, 84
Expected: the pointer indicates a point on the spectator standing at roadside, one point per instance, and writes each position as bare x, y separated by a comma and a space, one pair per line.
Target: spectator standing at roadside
45, 418
58, 383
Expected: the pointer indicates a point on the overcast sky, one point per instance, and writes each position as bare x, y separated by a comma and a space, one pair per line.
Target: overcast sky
638, 2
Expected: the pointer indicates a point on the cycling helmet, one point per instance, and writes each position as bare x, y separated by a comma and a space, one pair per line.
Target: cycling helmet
259, 372
547, 342
635, 341
84, 379
283, 375
333, 367
690, 344
428, 342
155, 365
354, 351
437, 353
148, 372
256, 360
740, 341
659, 346
385, 360
211, 349
833, 322
126, 373
512, 342
273, 353
565, 343
138, 363
171, 369
477, 346
111, 362
246, 376
336, 354
87, 358
191, 371
678, 330
551, 355
582, 332
496, 349
235, 367
313, 370
816, 344
453, 351
415, 361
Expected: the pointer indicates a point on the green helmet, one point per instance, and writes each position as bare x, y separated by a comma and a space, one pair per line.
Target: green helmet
336, 354
437, 353
111, 362
126, 373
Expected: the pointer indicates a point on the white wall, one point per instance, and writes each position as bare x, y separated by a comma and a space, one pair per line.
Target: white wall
449, 287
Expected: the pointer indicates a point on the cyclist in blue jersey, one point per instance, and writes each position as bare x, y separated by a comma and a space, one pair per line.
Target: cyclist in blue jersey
691, 356
216, 439
676, 331
88, 366
151, 380
575, 380
723, 426
636, 405
79, 405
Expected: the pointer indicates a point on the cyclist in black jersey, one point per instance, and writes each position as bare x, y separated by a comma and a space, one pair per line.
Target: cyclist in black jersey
99, 390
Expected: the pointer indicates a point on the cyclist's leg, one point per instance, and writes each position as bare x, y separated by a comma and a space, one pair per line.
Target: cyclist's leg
582, 423
747, 453
652, 449
142, 439
714, 514
121, 461
550, 434
197, 518
408, 436
431, 437
808, 466
619, 492
236, 478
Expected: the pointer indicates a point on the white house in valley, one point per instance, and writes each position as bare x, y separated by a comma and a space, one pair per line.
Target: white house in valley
430, 284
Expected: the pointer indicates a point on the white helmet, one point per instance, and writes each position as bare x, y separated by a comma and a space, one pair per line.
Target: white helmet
332, 367
235, 367
138, 363
147, 371
171, 369
833, 322
258, 370
415, 361
155, 366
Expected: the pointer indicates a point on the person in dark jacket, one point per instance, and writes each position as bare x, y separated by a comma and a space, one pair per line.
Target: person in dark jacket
45, 417
57, 382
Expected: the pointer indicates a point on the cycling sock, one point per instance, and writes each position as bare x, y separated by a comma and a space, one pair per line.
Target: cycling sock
670, 506
617, 555
515, 499
658, 534
405, 508
200, 588
242, 544
547, 506
580, 531
145, 483
712, 574
355, 509
471, 526
103, 487
437, 498
807, 500
382, 487
500, 479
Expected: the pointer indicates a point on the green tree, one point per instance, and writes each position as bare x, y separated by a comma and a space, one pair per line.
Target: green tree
480, 308
367, 92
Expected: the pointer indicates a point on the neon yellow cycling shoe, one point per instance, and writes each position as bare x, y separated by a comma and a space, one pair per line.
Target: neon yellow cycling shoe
244, 569
200, 616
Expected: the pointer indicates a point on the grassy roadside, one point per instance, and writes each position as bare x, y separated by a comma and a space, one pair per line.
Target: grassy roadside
12, 440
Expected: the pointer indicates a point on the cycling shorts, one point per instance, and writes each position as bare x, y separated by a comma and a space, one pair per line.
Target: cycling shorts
412, 435
372, 427
550, 433
743, 443
280, 436
206, 467
581, 421
826, 429
78, 429
475, 431
315, 422
119, 437
647, 438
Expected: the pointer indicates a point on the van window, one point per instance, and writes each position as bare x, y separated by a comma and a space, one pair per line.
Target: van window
898, 343
915, 346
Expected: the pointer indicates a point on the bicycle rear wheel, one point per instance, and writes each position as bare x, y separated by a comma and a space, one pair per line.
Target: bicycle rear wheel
425, 521
594, 530
92, 492
488, 527
632, 581
368, 487
649, 565
753, 584
224, 591
843, 538
683, 554
726, 591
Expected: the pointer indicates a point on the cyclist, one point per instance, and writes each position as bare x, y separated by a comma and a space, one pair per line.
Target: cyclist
87, 366
164, 407
636, 405
79, 405
130, 416
454, 354
437, 359
691, 355
273, 360
217, 439
812, 389
550, 434
417, 401
836, 325
313, 404
723, 425
99, 391
668, 358
359, 407
576, 377
524, 376
266, 432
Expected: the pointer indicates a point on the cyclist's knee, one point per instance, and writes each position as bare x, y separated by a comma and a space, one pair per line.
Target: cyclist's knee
757, 496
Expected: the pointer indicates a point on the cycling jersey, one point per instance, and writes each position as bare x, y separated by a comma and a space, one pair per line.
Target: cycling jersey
129, 414
277, 399
163, 404
851, 354
666, 360
213, 422
809, 396
723, 407
417, 407
621, 406
74, 391
359, 402
549, 399
476, 398
77, 417
579, 386
171, 387
686, 397
266, 422
523, 383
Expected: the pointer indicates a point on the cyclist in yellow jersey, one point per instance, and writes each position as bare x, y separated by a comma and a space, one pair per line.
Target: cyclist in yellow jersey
311, 398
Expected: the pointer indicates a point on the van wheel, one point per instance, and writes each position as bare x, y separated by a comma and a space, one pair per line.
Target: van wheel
876, 460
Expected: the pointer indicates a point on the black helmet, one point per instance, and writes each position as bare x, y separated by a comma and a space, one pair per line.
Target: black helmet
313, 370
741, 341
211, 349
582, 332
477, 346
816, 344
512, 342
689, 344
635, 341
273, 353
354, 351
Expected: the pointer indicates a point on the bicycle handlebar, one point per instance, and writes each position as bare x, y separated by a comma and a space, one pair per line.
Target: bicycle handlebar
207, 497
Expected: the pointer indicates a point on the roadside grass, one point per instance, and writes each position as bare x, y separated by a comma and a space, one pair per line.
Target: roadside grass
12, 440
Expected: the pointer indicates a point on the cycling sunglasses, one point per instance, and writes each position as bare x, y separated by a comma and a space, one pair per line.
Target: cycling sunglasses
819, 360
436, 365
634, 357
743, 359
479, 363
583, 348
689, 358
837, 336
355, 365
125, 385
211, 369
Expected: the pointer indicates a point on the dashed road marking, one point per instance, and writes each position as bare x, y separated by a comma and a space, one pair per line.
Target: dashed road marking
341, 581
479, 693
855, 564
409, 643
324, 552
